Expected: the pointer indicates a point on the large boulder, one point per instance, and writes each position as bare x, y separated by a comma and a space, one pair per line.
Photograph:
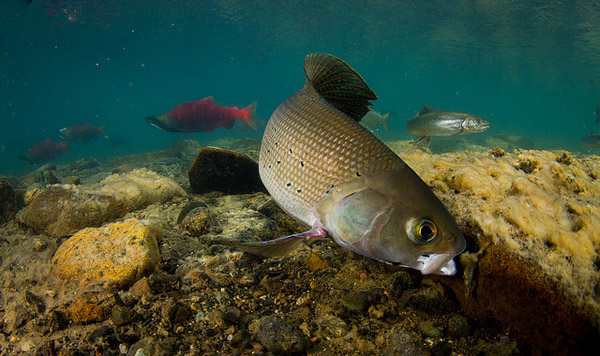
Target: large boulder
230, 172
8, 202
64, 209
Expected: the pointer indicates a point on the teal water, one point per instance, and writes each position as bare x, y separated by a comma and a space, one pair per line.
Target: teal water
532, 68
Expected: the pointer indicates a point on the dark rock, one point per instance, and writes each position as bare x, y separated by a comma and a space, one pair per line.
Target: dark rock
430, 300
175, 313
232, 314
17, 317
403, 343
98, 334
458, 326
121, 315
400, 282
358, 302
278, 336
36, 303
162, 282
442, 348
229, 172
240, 338
57, 320
8, 202
150, 347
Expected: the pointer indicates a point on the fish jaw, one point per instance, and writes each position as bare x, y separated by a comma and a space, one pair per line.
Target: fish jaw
161, 122
377, 216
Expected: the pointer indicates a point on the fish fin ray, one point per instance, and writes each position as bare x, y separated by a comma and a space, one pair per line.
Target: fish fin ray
280, 246
333, 80
424, 140
426, 110
251, 119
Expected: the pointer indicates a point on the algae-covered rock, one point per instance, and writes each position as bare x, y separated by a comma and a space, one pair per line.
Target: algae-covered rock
533, 218
63, 209
120, 253
215, 169
8, 202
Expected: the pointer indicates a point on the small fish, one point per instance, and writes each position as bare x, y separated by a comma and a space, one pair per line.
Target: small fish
44, 151
202, 116
326, 170
81, 133
436, 123
591, 140
374, 118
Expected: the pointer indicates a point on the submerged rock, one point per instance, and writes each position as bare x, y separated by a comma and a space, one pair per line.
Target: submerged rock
533, 220
120, 253
63, 209
8, 202
215, 169
278, 336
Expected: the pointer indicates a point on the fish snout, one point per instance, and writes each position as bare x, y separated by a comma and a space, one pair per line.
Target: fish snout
442, 264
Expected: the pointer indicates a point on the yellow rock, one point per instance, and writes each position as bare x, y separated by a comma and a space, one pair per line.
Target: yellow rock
119, 253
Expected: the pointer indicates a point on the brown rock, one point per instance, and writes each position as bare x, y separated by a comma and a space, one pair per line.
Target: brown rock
8, 202
64, 209
120, 253
90, 308
215, 169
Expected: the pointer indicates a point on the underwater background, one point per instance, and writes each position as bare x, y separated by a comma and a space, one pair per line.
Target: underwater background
532, 68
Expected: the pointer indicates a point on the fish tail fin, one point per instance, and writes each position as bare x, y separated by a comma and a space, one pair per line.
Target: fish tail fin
332, 79
251, 118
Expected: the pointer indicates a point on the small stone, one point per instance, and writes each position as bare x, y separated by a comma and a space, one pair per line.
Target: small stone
278, 336
36, 303
400, 282
121, 315
458, 326
90, 308
428, 330
162, 282
231, 314
403, 343
175, 313
315, 262
442, 348
358, 302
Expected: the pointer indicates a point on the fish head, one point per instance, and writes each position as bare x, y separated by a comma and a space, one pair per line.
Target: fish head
161, 122
475, 124
64, 133
394, 219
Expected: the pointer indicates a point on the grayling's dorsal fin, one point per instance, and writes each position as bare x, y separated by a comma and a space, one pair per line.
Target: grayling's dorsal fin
426, 110
330, 78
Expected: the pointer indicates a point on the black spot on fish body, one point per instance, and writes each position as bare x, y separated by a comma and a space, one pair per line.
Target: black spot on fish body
358, 174
289, 184
299, 190
302, 163
290, 150
278, 162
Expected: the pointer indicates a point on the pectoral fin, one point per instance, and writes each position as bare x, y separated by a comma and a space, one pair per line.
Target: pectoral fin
424, 140
282, 245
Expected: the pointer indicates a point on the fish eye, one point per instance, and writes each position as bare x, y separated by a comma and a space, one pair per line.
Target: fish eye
423, 231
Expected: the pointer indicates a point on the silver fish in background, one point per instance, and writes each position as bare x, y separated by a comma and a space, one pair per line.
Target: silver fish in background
374, 118
437, 123
326, 170
591, 140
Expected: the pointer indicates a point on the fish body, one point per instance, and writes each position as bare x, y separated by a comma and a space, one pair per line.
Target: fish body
591, 140
202, 116
44, 151
373, 118
81, 133
326, 170
436, 123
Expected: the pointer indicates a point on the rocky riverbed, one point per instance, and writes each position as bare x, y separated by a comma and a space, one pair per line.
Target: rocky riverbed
128, 257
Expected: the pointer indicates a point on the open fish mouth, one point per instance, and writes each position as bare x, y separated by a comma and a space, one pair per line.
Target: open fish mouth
442, 264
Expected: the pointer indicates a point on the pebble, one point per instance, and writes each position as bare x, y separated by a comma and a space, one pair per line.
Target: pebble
400, 282
121, 315
458, 326
278, 336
